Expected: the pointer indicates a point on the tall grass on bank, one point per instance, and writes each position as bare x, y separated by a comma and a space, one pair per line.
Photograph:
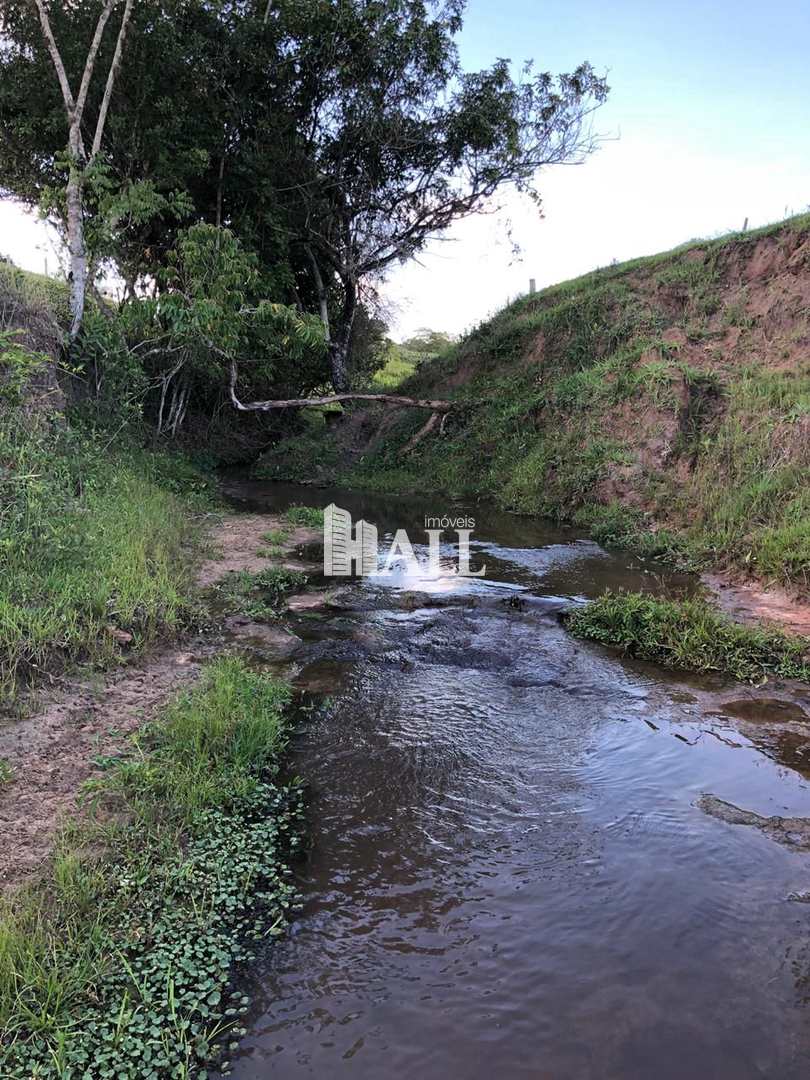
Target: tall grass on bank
92, 542
692, 635
122, 964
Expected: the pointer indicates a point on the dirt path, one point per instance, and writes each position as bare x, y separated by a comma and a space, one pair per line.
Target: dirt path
754, 604
73, 729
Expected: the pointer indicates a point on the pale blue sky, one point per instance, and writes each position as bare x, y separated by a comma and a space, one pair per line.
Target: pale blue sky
725, 74
710, 105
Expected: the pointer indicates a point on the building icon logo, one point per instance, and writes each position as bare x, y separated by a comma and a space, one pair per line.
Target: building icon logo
348, 551
353, 549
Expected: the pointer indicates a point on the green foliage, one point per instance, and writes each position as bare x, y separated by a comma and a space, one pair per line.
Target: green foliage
208, 747
17, 366
6, 772
329, 169
615, 525
91, 540
428, 344
212, 313
261, 596
304, 515
124, 964
690, 634
399, 365
306, 455
113, 381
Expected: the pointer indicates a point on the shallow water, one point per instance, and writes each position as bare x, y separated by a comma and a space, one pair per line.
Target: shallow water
510, 875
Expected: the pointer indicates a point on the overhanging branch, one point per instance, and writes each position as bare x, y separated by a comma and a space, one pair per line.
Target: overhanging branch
328, 399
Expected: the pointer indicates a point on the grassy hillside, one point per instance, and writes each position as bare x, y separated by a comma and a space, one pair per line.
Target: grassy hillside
662, 403
98, 537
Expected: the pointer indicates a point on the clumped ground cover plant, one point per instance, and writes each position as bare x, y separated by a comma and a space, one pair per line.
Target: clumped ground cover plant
261, 595
123, 964
692, 635
309, 516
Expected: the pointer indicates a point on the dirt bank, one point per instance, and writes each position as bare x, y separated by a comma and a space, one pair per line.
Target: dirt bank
80, 723
753, 603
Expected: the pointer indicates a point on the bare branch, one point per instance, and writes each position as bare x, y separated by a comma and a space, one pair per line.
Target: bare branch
424, 430
90, 63
61, 74
436, 407
320, 289
108, 89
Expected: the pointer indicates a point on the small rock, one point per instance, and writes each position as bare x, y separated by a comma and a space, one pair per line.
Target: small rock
121, 636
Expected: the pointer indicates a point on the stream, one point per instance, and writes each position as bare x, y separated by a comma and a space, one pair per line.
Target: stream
511, 873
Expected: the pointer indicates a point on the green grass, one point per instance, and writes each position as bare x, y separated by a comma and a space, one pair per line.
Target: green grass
398, 367
262, 595
122, 964
276, 536
92, 542
692, 635
309, 516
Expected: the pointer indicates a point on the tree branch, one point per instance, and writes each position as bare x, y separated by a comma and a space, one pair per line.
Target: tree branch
111, 75
436, 407
91, 59
53, 49
424, 430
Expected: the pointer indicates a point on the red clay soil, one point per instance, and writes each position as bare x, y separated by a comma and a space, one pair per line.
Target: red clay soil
751, 603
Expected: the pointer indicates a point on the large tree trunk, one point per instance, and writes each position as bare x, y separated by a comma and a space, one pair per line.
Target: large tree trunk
341, 343
339, 364
76, 248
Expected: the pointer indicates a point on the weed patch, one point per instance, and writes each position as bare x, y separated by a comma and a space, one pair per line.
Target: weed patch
123, 965
304, 515
92, 544
692, 635
261, 596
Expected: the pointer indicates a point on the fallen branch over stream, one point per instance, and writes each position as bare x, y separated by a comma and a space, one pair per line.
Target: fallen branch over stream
438, 406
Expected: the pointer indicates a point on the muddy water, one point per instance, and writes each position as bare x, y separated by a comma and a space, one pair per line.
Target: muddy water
511, 875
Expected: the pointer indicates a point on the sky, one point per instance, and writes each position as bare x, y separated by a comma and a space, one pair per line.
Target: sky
706, 126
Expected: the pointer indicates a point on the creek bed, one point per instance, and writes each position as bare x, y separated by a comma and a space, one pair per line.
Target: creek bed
513, 872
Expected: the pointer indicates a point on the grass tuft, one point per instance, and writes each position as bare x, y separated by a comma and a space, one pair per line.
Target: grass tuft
692, 635
304, 515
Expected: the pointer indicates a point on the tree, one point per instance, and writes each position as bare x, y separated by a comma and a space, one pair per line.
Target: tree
79, 160
396, 142
427, 343
332, 138
210, 311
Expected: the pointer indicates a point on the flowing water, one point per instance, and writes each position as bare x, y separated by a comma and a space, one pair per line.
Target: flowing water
510, 874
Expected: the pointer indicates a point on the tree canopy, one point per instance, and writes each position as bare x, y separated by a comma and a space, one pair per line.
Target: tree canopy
332, 139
